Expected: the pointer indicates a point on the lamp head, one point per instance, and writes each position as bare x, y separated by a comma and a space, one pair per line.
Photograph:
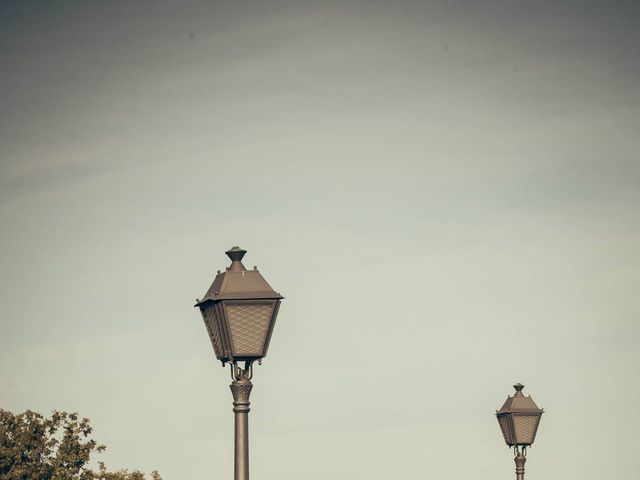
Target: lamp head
239, 311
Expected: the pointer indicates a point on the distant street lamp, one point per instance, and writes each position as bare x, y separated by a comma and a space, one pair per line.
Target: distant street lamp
239, 311
519, 418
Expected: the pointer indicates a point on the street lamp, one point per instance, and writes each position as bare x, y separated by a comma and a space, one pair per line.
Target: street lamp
519, 418
239, 311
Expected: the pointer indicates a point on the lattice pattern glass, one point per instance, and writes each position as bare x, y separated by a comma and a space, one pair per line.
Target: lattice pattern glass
249, 325
211, 322
525, 428
504, 426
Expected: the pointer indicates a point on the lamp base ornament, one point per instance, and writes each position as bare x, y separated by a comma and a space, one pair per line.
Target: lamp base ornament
520, 459
241, 390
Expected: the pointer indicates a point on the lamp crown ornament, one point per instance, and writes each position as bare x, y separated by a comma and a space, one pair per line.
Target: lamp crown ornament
235, 254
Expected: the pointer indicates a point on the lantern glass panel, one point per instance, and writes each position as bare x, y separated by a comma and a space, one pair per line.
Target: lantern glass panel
212, 322
525, 427
249, 324
503, 420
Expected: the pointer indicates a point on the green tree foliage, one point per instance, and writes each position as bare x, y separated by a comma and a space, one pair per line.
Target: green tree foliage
33, 447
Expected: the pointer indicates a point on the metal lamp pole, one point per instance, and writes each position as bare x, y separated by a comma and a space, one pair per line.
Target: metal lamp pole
520, 458
519, 418
239, 311
241, 389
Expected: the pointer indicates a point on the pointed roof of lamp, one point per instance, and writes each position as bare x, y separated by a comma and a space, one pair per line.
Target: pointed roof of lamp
238, 283
519, 403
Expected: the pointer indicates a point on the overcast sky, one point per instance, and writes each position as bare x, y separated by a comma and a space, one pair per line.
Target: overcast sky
446, 193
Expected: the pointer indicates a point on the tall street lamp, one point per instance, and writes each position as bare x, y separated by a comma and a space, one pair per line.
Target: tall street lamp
519, 418
239, 311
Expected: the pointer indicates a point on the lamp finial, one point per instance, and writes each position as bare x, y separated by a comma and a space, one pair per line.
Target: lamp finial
235, 254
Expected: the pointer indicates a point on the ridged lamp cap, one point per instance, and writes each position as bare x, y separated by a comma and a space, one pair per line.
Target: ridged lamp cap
238, 283
519, 403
